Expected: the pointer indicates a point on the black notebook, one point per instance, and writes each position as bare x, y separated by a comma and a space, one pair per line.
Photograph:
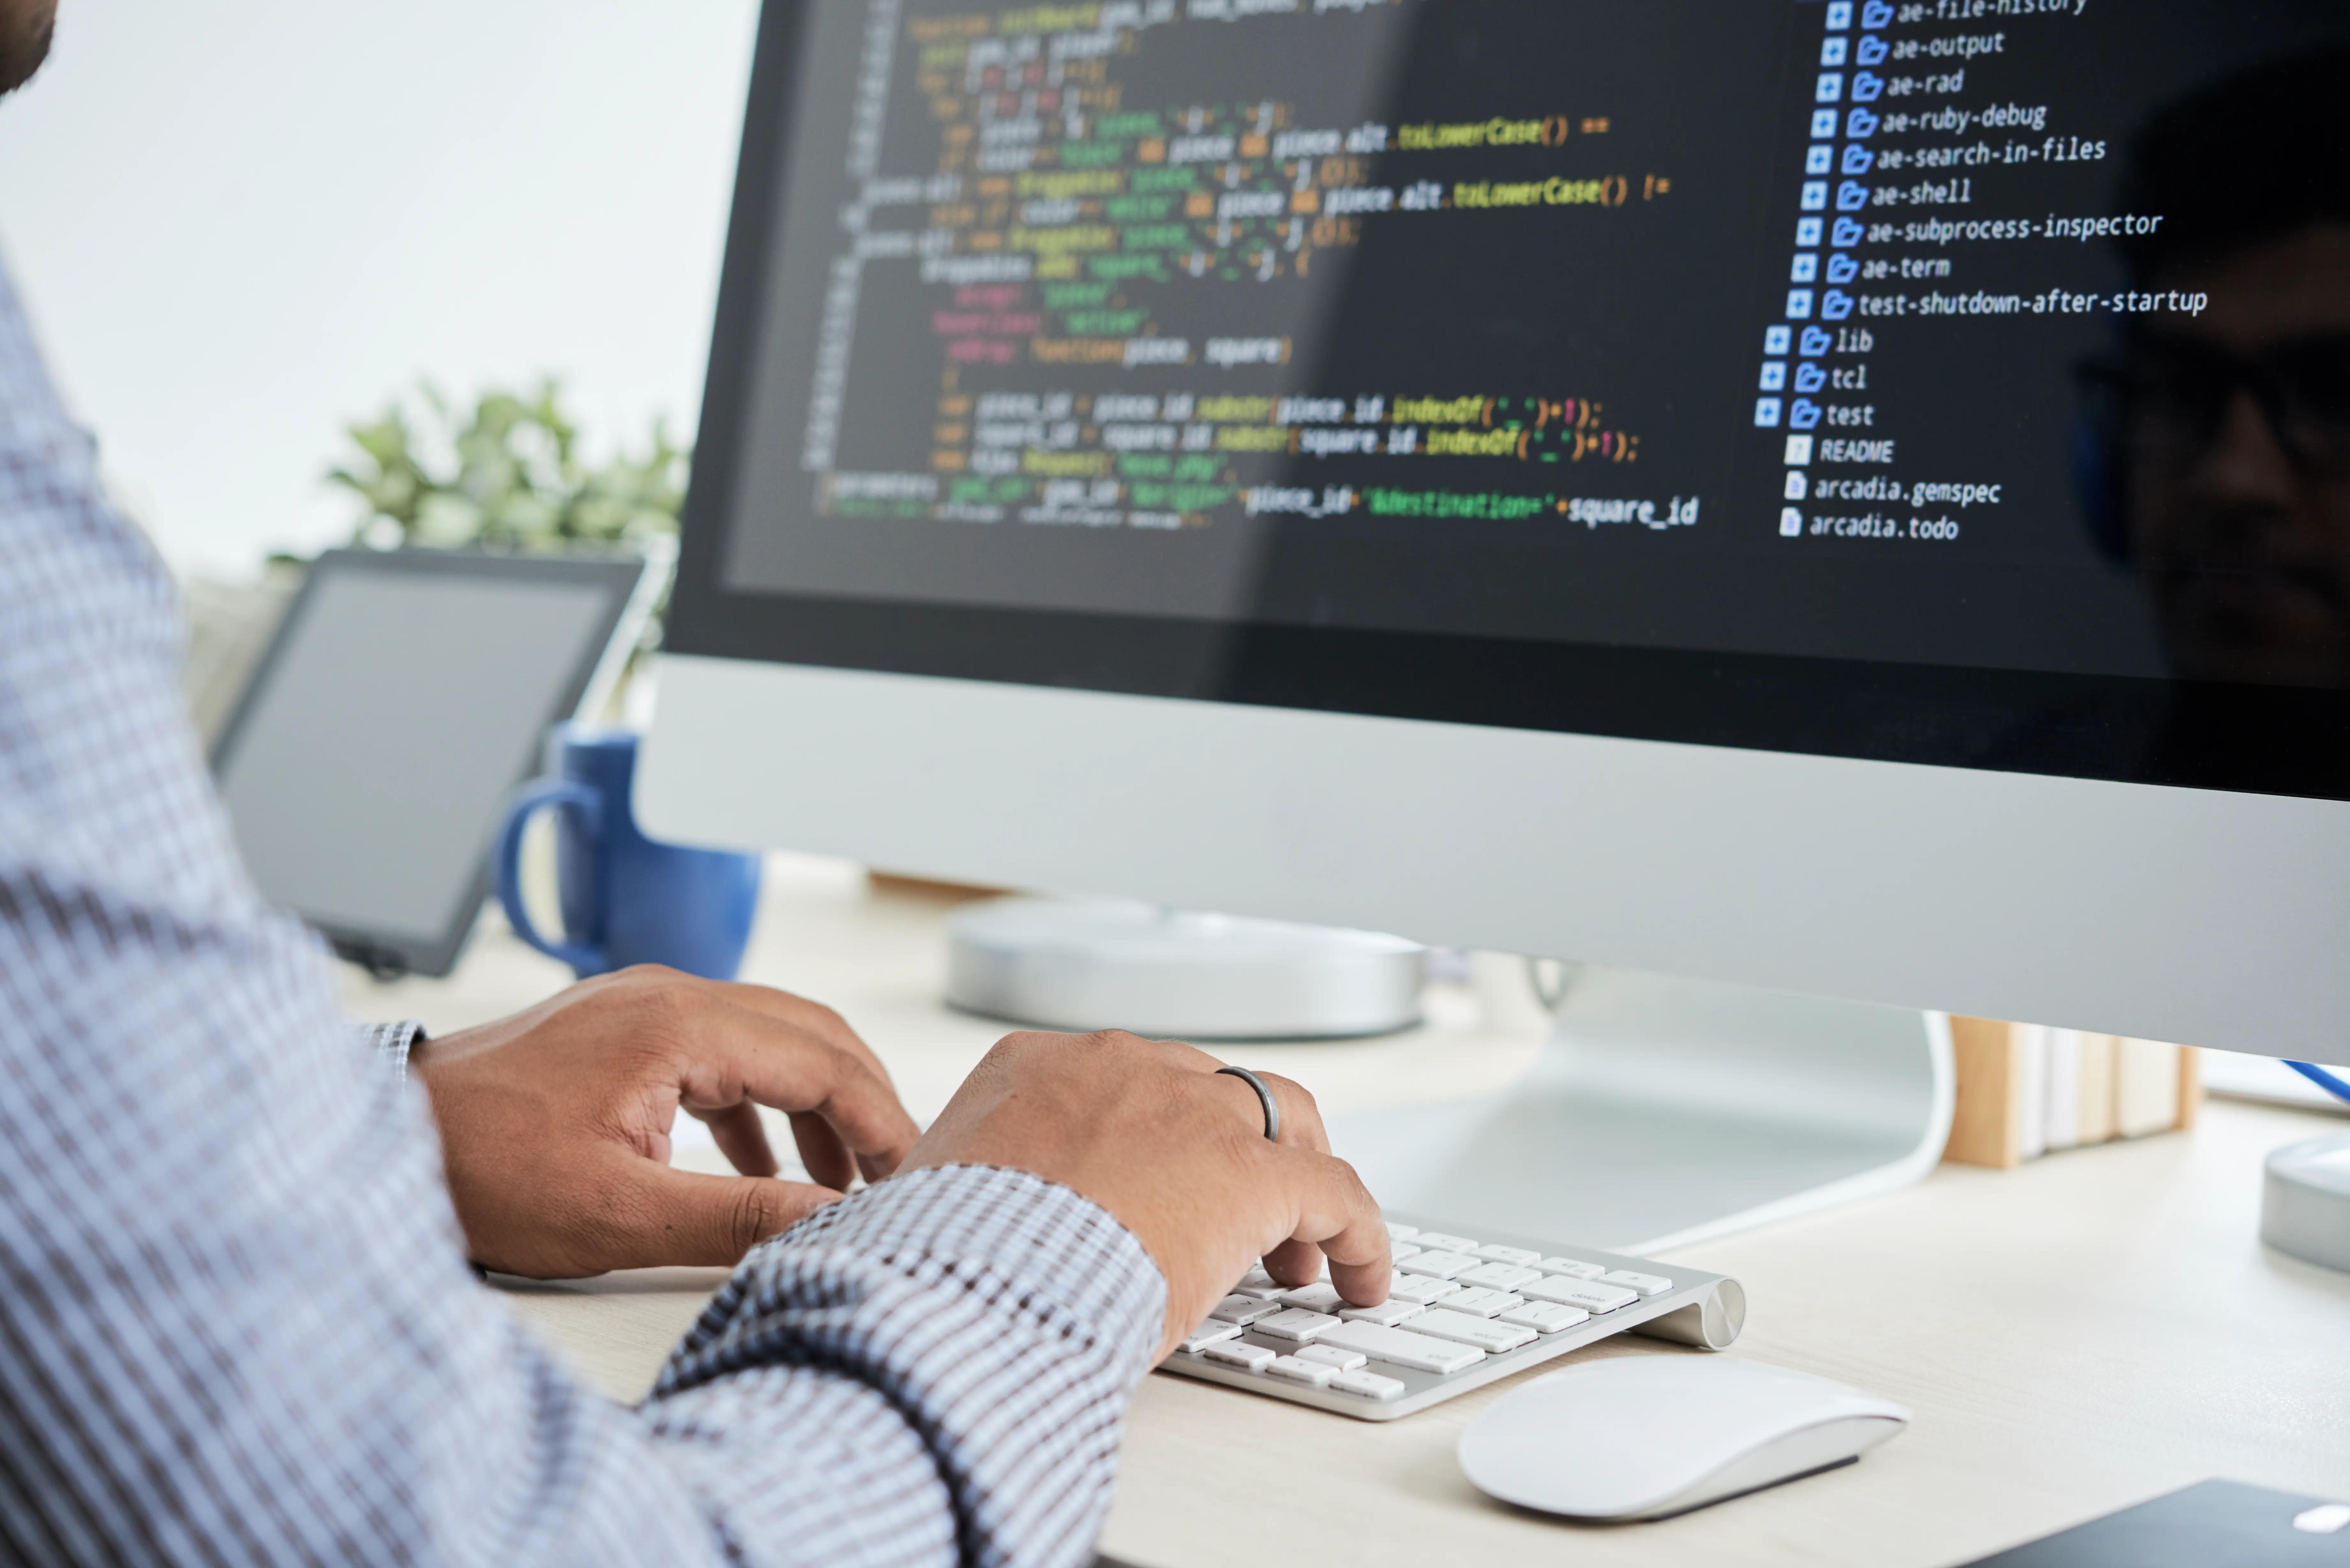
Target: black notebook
2218, 1523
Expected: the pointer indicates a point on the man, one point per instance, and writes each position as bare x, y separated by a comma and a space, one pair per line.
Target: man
236, 1320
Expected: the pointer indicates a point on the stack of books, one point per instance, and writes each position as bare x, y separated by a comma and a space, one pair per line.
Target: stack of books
2025, 1090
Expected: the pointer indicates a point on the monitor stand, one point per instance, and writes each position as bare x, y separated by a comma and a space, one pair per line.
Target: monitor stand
1667, 1111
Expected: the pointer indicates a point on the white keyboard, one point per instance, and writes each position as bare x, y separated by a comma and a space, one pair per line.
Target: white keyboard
1462, 1311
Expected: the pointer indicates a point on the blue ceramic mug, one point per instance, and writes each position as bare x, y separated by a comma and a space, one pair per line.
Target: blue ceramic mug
625, 898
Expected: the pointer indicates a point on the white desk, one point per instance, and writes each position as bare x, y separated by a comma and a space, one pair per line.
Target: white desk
2083, 1333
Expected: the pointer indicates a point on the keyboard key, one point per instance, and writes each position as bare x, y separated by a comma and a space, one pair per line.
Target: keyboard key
1242, 1310
1319, 1297
1441, 1264
1211, 1333
1420, 1288
1295, 1324
1401, 1232
1497, 1276
1386, 1316
1572, 1268
1330, 1355
1607, 1298
1647, 1284
1546, 1317
1258, 1285
1369, 1385
1589, 1295
1398, 1251
1234, 1353
1437, 1240
1493, 1338
1290, 1369
1478, 1301
1517, 1255
1403, 1347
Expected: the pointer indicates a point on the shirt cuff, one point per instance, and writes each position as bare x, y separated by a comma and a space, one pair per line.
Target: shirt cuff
1006, 1318
390, 1043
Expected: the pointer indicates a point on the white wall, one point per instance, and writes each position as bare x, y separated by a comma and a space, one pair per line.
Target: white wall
240, 223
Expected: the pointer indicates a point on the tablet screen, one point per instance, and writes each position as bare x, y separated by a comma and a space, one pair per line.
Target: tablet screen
366, 769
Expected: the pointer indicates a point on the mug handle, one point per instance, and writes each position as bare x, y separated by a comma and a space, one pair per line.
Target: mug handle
531, 800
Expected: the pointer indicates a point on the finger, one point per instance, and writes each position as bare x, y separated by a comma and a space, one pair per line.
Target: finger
1291, 1262
1295, 1263
1236, 1093
676, 1217
825, 1156
813, 1016
1335, 1213
745, 1053
742, 1138
822, 1022
1301, 1118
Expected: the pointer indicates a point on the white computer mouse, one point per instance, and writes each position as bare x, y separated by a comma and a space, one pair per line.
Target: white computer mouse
1640, 1437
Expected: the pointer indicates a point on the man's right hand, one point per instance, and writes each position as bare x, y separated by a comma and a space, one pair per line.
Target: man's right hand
1177, 1152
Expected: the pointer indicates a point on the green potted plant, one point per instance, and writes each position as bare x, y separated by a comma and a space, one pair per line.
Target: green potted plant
506, 475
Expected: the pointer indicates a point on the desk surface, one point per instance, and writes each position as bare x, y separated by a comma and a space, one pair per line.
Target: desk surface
2096, 1328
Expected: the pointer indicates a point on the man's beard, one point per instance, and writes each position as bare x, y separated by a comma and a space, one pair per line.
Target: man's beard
25, 28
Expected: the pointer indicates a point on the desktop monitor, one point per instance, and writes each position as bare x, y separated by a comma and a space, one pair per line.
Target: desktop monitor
1844, 496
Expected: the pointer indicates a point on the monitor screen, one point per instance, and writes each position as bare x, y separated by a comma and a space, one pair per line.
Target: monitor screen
1957, 381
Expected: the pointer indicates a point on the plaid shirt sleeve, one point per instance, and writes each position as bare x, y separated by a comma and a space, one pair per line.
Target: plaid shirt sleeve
236, 1321
389, 1044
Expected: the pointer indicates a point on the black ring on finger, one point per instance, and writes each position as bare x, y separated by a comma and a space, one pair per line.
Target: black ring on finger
1272, 1108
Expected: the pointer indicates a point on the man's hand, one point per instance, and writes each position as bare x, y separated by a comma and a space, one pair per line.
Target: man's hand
1177, 1153
555, 1123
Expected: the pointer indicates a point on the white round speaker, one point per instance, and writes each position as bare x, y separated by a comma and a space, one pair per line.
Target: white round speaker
2305, 1208
1081, 964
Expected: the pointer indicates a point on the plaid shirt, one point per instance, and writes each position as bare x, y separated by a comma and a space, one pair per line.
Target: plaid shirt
236, 1321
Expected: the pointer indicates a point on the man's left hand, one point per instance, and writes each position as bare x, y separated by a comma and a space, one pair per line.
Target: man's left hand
554, 1124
